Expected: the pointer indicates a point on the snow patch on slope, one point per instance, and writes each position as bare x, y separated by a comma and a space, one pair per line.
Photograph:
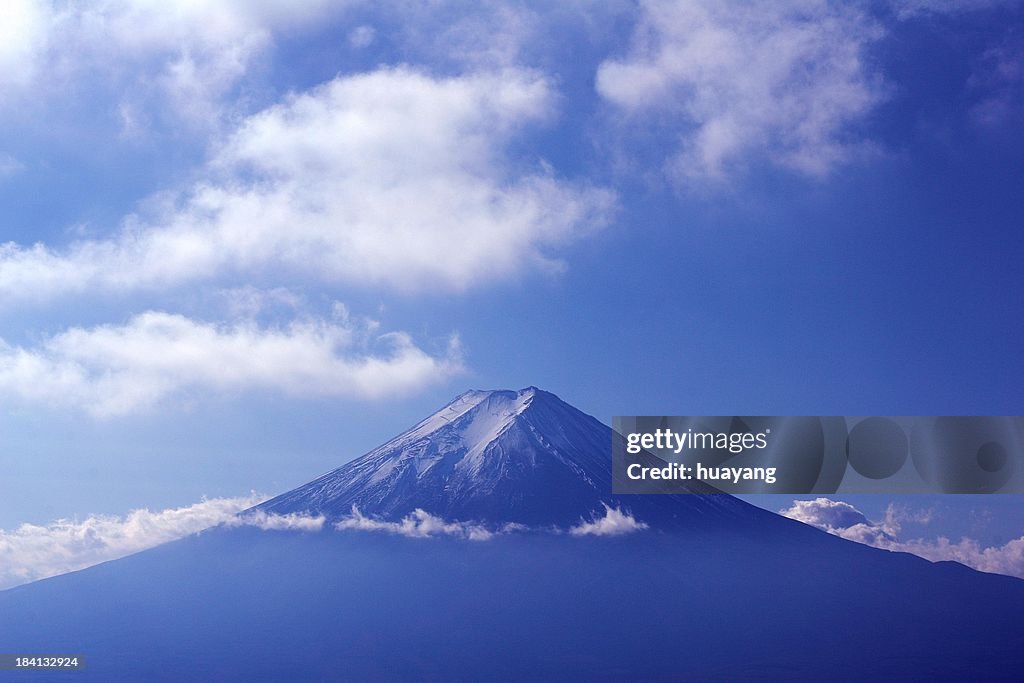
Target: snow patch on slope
488, 423
450, 413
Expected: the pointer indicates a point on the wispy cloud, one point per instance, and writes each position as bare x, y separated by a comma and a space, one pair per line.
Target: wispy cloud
741, 81
493, 33
997, 82
157, 357
292, 521
844, 520
910, 9
422, 524
362, 36
419, 524
9, 166
32, 551
614, 523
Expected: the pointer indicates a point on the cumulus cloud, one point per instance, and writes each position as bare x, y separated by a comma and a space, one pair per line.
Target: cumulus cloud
419, 524
736, 81
842, 519
113, 370
614, 523
392, 178
32, 552
846, 521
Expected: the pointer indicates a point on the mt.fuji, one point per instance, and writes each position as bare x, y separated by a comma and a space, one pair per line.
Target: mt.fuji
707, 588
495, 457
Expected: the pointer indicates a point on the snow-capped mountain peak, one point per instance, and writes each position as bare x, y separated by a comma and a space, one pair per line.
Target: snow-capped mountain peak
495, 457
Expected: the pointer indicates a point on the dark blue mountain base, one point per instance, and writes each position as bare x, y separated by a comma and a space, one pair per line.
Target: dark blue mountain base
244, 604
713, 588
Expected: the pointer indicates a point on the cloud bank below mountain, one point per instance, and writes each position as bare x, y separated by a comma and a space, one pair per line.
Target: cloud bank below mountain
844, 520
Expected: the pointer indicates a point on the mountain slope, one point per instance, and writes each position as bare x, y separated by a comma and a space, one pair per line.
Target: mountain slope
245, 604
498, 457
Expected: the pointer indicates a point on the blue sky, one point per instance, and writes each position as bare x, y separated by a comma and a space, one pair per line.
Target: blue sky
246, 243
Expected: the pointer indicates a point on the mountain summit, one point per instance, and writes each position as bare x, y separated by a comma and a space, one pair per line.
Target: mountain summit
496, 457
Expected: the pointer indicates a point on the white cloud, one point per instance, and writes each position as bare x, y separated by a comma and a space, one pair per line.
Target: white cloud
846, 521
419, 524
1005, 559
189, 54
32, 552
155, 357
422, 524
614, 523
842, 519
192, 58
391, 178
292, 521
738, 81
23, 36
142, 26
